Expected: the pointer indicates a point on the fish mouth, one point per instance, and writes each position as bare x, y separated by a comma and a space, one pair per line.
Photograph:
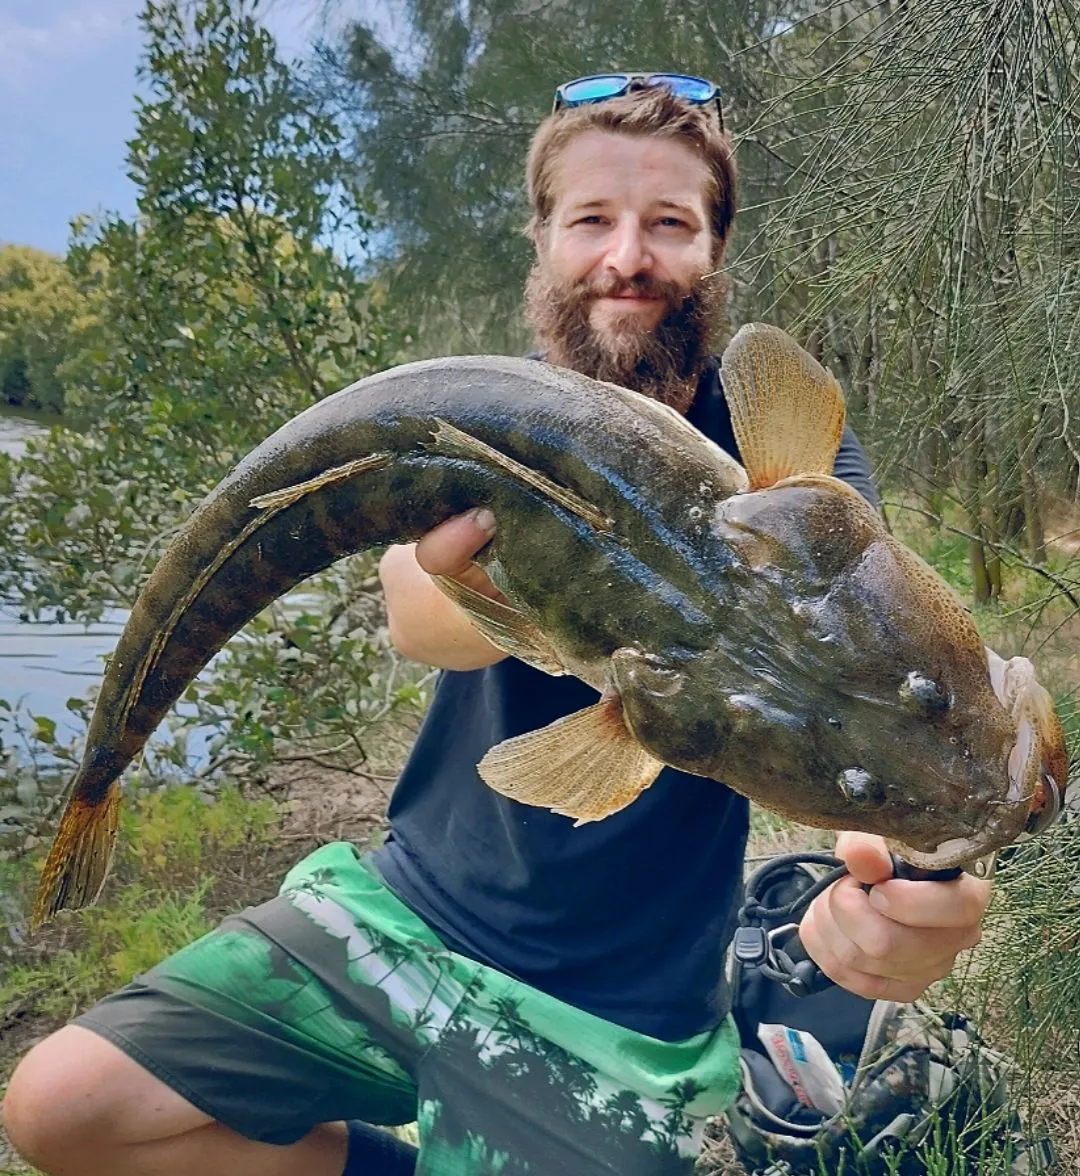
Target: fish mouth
957, 851
1036, 761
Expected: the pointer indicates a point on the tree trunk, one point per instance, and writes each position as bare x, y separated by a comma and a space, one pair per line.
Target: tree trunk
1033, 515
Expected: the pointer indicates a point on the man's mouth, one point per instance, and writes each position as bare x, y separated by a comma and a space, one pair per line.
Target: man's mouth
631, 301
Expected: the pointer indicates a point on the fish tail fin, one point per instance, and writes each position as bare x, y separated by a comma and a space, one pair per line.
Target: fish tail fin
78, 861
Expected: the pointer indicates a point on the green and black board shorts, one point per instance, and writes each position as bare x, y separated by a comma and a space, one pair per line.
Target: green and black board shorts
335, 1001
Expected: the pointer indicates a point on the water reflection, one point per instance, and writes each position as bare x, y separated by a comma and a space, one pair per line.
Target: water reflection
17, 428
43, 664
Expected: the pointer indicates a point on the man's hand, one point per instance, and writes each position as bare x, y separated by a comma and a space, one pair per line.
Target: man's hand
424, 624
894, 942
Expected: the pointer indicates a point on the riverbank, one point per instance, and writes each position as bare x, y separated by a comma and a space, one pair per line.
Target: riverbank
17, 426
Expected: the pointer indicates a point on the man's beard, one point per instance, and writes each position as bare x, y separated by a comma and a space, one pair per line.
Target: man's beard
664, 362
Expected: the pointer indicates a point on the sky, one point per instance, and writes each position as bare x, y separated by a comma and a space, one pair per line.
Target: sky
67, 80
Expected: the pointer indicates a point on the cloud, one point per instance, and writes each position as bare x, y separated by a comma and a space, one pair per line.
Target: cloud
30, 51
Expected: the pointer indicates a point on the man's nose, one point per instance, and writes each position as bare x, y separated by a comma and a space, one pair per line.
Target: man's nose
628, 251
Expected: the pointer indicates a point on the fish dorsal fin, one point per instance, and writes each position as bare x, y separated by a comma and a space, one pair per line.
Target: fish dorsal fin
586, 765
451, 440
504, 626
787, 411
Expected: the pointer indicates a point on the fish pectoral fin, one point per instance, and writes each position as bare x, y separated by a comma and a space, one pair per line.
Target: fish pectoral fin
586, 765
455, 442
504, 626
787, 411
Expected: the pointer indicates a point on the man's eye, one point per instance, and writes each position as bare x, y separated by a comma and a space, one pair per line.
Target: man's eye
589, 220
672, 222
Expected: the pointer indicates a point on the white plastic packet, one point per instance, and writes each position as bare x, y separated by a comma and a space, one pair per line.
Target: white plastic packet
804, 1065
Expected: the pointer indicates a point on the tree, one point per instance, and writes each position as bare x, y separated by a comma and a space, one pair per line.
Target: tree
224, 308
929, 245
42, 320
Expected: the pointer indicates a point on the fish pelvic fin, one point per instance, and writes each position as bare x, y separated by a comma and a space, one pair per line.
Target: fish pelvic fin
449, 439
787, 411
504, 626
586, 765
79, 859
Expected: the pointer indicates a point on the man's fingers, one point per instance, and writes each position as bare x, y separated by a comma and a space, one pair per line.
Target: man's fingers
872, 942
865, 984
894, 941
960, 903
448, 549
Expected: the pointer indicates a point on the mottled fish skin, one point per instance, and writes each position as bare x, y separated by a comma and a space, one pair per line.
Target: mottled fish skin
612, 446
763, 639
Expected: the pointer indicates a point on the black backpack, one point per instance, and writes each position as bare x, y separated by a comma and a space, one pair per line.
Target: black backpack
911, 1077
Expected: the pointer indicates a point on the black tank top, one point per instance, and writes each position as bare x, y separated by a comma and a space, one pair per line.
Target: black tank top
627, 918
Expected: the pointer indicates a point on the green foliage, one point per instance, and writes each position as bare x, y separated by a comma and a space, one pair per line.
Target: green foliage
931, 171
177, 832
223, 312
310, 679
43, 318
123, 938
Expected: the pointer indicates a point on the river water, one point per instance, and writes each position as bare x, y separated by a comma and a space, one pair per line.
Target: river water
17, 428
44, 664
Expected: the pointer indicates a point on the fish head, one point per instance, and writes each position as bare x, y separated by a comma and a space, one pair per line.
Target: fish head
848, 688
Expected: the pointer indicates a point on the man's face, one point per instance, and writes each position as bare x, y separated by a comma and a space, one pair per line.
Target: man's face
617, 291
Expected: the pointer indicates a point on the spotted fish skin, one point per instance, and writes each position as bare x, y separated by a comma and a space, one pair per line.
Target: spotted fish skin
761, 638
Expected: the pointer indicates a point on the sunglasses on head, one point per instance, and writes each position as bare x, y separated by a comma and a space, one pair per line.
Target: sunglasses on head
601, 87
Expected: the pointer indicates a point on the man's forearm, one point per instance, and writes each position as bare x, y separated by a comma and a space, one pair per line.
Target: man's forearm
424, 624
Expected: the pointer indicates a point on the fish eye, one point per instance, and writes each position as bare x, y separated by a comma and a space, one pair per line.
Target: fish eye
860, 788
923, 695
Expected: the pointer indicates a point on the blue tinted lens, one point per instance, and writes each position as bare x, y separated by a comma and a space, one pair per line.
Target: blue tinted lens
593, 89
692, 89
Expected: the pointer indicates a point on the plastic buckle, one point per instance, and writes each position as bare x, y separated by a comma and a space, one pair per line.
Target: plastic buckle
750, 946
806, 979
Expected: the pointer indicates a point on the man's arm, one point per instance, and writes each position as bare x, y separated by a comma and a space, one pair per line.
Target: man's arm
426, 625
852, 467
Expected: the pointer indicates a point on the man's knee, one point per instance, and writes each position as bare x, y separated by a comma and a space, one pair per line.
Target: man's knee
75, 1091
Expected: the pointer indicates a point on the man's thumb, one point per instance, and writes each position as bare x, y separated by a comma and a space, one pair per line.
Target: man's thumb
866, 857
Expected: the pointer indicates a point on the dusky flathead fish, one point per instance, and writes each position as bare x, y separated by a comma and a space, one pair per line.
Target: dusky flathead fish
758, 626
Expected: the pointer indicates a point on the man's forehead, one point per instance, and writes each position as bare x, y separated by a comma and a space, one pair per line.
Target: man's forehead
597, 167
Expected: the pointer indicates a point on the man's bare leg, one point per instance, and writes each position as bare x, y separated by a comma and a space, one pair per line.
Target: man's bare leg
79, 1106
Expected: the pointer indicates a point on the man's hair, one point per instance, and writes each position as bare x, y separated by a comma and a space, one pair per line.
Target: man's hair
653, 112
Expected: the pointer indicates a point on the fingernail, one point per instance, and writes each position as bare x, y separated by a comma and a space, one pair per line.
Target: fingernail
878, 900
483, 518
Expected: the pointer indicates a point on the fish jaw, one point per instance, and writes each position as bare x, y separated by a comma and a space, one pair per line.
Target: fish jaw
1037, 771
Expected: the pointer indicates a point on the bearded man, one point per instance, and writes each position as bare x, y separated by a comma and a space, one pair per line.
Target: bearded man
540, 998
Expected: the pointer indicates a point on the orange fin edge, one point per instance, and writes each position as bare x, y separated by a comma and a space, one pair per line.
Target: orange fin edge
79, 859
